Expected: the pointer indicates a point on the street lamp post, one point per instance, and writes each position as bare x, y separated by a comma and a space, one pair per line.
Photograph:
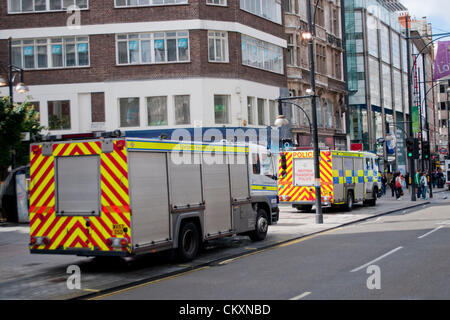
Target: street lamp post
319, 216
412, 168
12, 72
311, 93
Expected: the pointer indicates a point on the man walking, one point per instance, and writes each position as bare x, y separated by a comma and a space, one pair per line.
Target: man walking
424, 185
417, 180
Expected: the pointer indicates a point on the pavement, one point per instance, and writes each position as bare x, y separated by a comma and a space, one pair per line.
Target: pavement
26, 276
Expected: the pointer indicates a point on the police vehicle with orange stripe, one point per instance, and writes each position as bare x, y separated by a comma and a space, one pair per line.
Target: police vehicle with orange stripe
345, 178
117, 196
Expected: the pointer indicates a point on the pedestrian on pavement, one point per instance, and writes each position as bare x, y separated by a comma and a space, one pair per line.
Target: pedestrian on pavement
434, 178
417, 181
424, 185
407, 180
440, 178
392, 184
399, 186
383, 184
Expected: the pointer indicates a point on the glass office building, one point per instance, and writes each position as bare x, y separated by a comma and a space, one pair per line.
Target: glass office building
377, 77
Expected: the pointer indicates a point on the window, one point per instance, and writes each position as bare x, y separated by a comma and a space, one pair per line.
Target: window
129, 112
268, 9
59, 115
261, 112
160, 47
321, 57
217, 46
262, 55
136, 3
387, 86
20, 6
157, 111
217, 2
273, 111
335, 22
443, 107
288, 6
51, 53
337, 65
319, 113
329, 114
250, 110
320, 15
182, 110
221, 109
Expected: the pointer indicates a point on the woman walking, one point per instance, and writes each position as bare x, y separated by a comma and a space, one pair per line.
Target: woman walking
399, 186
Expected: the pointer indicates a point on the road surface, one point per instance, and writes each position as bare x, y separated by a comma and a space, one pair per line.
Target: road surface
406, 255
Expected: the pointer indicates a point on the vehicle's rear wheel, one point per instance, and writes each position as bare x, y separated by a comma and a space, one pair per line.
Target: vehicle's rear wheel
349, 202
188, 242
373, 202
262, 225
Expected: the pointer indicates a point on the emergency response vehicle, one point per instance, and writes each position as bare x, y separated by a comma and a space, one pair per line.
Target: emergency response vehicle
116, 196
345, 178
447, 173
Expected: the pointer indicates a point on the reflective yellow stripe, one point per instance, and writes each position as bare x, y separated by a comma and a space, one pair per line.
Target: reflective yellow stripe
270, 188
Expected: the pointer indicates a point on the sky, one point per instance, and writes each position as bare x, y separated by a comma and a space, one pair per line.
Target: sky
436, 11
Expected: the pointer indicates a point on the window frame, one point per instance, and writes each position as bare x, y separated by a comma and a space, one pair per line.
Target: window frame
139, 112
47, 5
48, 43
175, 109
166, 116
261, 12
152, 37
225, 4
260, 47
149, 5
70, 114
228, 107
223, 40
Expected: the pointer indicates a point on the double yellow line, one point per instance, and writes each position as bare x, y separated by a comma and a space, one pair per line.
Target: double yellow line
225, 262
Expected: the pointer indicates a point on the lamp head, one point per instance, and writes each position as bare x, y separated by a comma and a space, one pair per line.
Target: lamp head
22, 88
281, 121
3, 82
306, 35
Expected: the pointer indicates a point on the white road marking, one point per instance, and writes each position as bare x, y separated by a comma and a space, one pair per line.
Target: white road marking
301, 296
377, 259
428, 233
20, 229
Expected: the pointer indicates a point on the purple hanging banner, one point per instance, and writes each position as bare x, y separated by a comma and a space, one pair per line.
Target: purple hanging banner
442, 62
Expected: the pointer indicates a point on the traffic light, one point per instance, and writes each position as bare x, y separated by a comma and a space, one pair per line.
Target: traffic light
410, 147
426, 150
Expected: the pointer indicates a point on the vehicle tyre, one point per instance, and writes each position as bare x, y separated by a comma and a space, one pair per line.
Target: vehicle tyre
304, 207
188, 242
262, 225
373, 202
350, 201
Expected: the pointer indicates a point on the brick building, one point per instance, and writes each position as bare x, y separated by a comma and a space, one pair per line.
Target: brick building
147, 65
